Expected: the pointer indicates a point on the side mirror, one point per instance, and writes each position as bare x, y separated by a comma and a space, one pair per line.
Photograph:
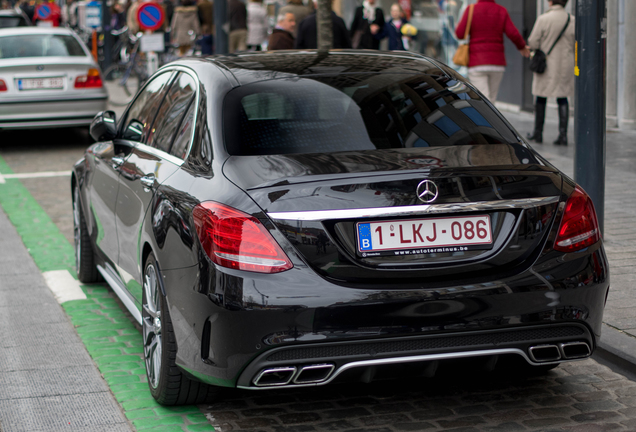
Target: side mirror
104, 127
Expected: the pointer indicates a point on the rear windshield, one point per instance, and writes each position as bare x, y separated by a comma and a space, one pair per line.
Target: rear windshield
357, 112
12, 21
39, 46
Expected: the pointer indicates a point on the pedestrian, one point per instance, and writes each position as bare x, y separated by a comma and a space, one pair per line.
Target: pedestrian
393, 30
256, 25
557, 80
282, 37
185, 25
299, 10
368, 20
307, 35
238, 26
117, 16
487, 61
206, 17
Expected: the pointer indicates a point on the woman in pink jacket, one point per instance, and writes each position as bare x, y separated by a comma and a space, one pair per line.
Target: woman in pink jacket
487, 62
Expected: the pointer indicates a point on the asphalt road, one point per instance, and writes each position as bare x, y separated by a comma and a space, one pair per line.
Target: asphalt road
580, 396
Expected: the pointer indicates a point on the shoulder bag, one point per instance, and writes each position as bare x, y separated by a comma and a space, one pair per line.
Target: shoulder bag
461, 55
539, 61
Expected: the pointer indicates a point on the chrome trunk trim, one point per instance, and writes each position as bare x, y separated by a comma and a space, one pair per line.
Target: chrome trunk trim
320, 215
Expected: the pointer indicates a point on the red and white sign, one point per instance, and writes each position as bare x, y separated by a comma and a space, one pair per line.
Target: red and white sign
150, 16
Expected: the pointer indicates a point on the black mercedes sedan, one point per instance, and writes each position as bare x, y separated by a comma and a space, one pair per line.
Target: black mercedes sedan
293, 219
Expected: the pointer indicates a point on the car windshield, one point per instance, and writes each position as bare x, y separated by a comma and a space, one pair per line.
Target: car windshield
12, 21
347, 112
41, 45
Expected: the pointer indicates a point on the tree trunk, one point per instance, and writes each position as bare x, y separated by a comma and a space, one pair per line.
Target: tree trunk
325, 26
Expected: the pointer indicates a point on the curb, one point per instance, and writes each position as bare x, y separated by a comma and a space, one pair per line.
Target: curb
618, 343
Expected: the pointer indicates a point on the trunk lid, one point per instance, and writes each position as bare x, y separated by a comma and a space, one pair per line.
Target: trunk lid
324, 203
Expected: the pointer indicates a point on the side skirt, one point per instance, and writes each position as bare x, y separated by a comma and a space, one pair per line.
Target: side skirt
121, 292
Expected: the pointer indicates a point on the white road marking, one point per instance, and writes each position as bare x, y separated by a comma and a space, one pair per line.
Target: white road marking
36, 175
2, 181
64, 286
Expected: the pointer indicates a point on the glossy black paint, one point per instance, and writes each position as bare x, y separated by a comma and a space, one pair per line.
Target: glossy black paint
520, 282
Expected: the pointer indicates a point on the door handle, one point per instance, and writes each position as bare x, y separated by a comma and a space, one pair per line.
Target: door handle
148, 181
117, 161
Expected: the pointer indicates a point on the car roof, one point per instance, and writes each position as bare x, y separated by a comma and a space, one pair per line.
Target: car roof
16, 31
262, 66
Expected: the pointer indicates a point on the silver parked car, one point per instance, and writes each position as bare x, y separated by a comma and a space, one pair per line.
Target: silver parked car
48, 78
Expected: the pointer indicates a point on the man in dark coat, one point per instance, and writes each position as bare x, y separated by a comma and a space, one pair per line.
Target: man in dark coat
282, 37
307, 37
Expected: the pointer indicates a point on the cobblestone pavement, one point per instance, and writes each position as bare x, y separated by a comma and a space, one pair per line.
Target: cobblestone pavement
580, 396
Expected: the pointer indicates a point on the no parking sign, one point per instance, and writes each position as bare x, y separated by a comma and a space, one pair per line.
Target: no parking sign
150, 16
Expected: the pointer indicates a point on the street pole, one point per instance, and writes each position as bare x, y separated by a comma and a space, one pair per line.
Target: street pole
221, 27
108, 38
324, 25
589, 71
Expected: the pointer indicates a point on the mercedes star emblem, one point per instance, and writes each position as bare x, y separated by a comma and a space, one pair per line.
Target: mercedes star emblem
427, 191
39, 68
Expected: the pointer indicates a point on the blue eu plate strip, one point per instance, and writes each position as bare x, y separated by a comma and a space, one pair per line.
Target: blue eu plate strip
364, 237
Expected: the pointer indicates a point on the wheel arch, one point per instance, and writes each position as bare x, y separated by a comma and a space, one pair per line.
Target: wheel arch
145, 252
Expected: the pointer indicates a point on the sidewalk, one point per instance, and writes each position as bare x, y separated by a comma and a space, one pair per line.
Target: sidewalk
619, 319
48, 380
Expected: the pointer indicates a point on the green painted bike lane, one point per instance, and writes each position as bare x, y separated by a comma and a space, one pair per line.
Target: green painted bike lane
111, 339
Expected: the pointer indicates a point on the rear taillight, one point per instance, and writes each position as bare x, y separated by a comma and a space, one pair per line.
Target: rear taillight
237, 240
3, 86
91, 80
579, 226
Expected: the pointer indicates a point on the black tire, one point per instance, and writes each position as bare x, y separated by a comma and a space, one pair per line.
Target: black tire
84, 254
168, 385
122, 88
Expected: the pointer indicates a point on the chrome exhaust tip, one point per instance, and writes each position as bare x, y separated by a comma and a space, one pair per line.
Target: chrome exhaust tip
314, 373
273, 377
574, 350
544, 353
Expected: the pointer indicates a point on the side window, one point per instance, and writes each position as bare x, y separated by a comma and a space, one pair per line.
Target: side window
206, 147
142, 112
171, 112
184, 134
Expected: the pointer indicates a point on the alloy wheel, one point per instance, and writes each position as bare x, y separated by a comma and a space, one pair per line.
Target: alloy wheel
152, 325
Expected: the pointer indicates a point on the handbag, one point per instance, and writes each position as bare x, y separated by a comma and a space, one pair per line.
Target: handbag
539, 61
461, 56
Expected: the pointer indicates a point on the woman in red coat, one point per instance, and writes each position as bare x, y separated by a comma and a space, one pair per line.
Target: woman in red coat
486, 48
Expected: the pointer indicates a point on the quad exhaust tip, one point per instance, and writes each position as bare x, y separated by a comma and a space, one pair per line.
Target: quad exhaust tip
565, 351
282, 376
278, 376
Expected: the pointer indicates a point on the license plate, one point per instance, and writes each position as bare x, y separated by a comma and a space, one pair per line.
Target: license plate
421, 236
41, 83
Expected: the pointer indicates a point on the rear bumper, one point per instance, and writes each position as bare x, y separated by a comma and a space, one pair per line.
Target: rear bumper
238, 325
16, 114
361, 357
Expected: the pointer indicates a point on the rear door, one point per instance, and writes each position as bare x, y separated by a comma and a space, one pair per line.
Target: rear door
151, 162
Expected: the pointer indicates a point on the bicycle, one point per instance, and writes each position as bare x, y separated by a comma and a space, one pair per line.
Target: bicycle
128, 73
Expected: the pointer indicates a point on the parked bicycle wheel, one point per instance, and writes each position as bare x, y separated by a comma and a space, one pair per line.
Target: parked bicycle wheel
123, 82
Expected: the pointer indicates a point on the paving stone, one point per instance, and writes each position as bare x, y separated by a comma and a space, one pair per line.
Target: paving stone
299, 418
384, 419
603, 405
